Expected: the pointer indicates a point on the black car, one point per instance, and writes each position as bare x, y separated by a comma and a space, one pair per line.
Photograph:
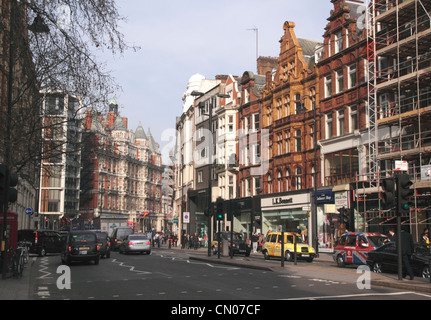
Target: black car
41, 242
104, 243
119, 235
81, 246
385, 259
239, 244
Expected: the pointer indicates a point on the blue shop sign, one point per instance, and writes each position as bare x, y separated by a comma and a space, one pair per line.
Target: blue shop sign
324, 196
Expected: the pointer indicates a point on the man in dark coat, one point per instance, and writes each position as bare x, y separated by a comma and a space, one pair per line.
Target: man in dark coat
407, 248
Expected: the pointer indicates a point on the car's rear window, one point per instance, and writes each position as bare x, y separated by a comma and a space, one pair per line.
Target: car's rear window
137, 237
83, 237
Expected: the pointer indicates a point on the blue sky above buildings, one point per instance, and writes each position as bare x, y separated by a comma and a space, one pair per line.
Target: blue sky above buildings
180, 38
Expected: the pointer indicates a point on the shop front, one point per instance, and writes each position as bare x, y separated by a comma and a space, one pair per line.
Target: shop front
289, 213
329, 225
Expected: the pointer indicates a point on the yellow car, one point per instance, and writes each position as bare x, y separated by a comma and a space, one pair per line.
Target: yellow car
272, 247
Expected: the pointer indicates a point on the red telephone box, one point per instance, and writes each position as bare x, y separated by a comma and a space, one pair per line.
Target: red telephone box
12, 228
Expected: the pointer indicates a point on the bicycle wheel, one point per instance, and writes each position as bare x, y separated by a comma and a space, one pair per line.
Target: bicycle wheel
21, 265
26, 255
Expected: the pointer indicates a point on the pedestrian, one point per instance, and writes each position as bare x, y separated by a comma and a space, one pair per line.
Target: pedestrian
391, 235
190, 241
196, 241
254, 240
425, 239
407, 249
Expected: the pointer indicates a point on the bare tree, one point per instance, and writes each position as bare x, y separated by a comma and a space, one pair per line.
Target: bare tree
58, 54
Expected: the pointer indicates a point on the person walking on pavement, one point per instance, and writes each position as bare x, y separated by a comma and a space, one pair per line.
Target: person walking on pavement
254, 240
196, 241
407, 249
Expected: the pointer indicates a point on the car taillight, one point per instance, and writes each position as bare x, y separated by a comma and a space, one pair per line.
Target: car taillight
131, 243
98, 248
148, 242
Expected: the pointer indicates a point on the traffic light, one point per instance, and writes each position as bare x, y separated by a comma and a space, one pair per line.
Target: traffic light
7, 183
208, 212
3, 182
404, 193
388, 195
219, 209
344, 217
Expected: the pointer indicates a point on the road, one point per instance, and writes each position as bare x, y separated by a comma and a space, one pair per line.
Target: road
171, 275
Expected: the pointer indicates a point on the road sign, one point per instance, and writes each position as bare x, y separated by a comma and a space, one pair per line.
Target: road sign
29, 211
186, 217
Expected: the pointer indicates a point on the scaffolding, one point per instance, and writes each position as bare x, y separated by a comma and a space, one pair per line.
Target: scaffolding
398, 109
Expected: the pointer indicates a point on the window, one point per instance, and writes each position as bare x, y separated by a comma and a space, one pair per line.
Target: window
200, 177
54, 200
338, 41
280, 181
298, 104
340, 128
340, 81
329, 126
256, 119
230, 124
54, 105
328, 86
257, 186
287, 142
353, 118
298, 144
279, 144
352, 76
341, 167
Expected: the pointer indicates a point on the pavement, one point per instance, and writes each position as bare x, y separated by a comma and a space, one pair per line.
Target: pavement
20, 289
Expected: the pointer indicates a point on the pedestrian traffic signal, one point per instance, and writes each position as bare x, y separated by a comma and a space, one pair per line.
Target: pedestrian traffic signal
219, 209
388, 195
404, 193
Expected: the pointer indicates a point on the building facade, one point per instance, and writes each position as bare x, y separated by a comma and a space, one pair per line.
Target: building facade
122, 173
322, 125
60, 171
343, 120
290, 115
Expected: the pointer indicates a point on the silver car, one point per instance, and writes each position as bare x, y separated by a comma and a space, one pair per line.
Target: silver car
136, 243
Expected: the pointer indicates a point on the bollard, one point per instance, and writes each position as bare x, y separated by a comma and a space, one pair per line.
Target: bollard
294, 249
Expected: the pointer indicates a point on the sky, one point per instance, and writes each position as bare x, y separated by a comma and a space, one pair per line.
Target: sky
179, 38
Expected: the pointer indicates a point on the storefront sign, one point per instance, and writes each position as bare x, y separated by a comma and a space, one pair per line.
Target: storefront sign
281, 201
291, 201
324, 196
342, 199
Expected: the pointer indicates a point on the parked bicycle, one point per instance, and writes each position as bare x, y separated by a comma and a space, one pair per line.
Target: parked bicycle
25, 246
20, 256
